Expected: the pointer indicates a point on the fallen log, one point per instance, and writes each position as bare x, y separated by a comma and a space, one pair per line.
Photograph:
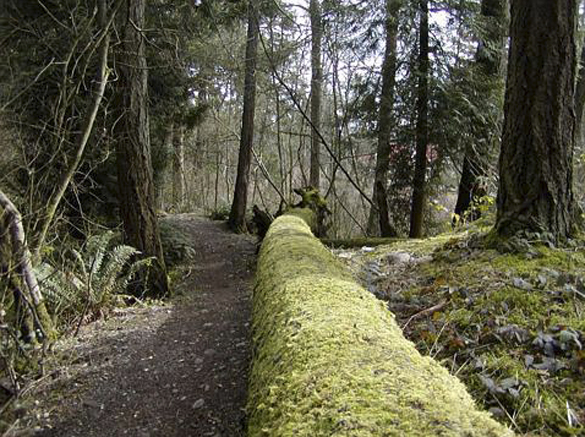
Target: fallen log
30, 296
329, 358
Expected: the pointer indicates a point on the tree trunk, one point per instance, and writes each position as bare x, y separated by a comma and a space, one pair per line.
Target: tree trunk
422, 134
178, 168
237, 219
580, 100
316, 85
162, 178
135, 173
379, 222
489, 65
579, 175
34, 303
535, 191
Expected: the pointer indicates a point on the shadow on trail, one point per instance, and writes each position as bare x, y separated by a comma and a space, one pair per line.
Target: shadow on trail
177, 370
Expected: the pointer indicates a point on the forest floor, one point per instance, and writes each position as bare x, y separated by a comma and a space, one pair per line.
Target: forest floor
167, 369
508, 322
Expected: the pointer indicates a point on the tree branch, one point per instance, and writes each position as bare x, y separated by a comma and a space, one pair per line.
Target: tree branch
308, 120
88, 123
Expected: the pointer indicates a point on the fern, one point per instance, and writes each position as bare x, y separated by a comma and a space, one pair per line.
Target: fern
98, 272
111, 279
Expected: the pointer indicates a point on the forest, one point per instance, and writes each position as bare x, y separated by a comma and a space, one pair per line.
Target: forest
435, 147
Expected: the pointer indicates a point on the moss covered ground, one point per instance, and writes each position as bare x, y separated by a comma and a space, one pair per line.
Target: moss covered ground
329, 359
510, 324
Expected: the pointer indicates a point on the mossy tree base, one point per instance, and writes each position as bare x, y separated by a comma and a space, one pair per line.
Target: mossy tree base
331, 360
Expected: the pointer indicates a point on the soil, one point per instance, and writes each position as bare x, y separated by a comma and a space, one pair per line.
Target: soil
174, 369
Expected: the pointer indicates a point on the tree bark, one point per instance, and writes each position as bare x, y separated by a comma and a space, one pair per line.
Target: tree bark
489, 65
178, 168
422, 134
379, 221
34, 302
316, 85
536, 173
580, 99
135, 173
237, 219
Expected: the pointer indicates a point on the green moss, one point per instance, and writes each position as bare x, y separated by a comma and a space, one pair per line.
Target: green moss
330, 359
544, 258
311, 196
46, 322
496, 305
177, 245
306, 214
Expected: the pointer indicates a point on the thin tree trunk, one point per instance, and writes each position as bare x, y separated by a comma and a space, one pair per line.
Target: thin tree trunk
135, 174
216, 184
179, 168
379, 221
227, 172
163, 177
237, 219
489, 64
316, 85
87, 127
291, 167
422, 135
536, 172
281, 159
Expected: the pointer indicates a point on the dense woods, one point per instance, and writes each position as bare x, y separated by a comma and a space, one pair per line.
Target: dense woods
410, 119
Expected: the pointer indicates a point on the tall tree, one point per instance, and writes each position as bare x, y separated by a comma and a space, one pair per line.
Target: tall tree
379, 221
237, 218
422, 129
135, 174
489, 69
316, 86
178, 167
535, 189
580, 98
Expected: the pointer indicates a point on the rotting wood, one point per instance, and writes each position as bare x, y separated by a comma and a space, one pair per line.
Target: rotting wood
24, 268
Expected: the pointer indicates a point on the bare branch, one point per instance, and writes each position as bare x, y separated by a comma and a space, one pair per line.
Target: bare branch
308, 120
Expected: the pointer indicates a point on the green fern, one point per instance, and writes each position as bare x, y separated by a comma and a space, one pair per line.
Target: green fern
98, 272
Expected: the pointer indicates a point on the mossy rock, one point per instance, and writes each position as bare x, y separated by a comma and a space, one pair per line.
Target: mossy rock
177, 246
330, 359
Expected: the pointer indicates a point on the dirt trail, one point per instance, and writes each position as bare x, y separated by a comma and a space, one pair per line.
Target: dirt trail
170, 370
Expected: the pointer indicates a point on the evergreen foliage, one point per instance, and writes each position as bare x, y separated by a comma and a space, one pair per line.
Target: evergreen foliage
90, 282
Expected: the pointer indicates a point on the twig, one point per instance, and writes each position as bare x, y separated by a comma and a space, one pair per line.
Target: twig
88, 123
308, 120
258, 160
27, 87
267, 175
426, 312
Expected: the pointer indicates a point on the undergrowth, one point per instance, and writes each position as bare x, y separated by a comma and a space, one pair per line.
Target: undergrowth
91, 280
509, 322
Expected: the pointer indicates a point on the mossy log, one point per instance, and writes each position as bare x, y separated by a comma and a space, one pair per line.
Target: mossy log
329, 358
